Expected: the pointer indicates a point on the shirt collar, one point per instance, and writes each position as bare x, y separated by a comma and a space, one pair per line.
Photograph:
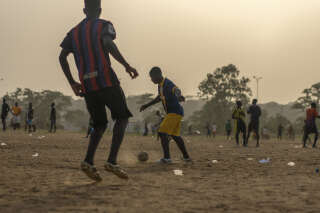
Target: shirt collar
162, 82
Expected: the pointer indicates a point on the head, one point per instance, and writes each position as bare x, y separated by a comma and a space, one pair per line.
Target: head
156, 75
254, 101
92, 8
313, 105
16, 104
53, 105
239, 104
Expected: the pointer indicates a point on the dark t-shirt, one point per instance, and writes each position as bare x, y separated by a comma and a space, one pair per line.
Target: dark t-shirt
255, 112
53, 114
94, 66
5, 110
30, 114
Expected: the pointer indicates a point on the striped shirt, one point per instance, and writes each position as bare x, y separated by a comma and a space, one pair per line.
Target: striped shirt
93, 62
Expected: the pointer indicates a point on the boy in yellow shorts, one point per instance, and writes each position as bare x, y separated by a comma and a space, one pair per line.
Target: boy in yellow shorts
170, 96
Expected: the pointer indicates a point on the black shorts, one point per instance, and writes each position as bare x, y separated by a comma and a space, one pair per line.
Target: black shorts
311, 128
113, 98
254, 126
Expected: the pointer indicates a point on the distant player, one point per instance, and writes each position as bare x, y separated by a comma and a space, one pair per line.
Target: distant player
53, 118
239, 115
170, 95
91, 42
208, 128
311, 127
291, 133
214, 130
255, 112
30, 117
4, 114
16, 112
228, 128
280, 131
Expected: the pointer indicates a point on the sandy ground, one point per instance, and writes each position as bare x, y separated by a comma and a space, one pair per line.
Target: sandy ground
52, 182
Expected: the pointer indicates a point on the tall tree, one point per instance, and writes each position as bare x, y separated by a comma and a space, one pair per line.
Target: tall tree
221, 89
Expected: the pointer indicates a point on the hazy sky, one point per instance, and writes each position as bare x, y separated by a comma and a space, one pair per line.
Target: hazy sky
275, 39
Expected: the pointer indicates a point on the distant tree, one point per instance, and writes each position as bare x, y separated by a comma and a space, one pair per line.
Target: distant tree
310, 95
221, 89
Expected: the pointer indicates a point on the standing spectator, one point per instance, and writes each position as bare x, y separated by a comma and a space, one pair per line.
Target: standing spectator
4, 114
53, 118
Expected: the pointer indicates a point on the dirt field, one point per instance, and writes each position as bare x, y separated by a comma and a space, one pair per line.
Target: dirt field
52, 182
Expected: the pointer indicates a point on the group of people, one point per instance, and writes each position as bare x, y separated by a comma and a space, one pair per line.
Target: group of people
16, 115
92, 42
16, 112
239, 116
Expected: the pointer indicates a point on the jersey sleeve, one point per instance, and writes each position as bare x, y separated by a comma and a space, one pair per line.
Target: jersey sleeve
108, 30
67, 43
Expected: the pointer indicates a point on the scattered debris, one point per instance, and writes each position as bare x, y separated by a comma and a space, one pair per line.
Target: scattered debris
250, 159
265, 160
41, 137
35, 155
3, 144
214, 161
178, 172
291, 164
220, 146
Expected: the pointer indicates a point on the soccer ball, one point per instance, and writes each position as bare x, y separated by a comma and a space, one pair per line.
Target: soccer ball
143, 156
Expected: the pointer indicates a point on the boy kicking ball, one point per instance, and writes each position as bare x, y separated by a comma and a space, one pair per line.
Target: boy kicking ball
171, 97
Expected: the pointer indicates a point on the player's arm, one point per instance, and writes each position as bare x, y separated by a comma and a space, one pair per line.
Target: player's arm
111, 47
153, 102
76, 87
177, 92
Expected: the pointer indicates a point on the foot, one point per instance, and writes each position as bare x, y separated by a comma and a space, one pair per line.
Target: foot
314, 146
116, 170
165, 161
90, 171
304, 146
257, 145
187, 160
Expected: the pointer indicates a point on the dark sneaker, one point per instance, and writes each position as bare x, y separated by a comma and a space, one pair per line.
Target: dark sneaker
116, 169
90, 171
165, 161
187, 160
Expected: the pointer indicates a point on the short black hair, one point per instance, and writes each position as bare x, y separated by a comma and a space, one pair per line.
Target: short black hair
155, 70
313, 104
239, 103
92, 4
255, 100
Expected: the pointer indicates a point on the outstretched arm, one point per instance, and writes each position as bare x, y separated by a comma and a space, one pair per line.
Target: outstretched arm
153, 102
76, 87
111, 47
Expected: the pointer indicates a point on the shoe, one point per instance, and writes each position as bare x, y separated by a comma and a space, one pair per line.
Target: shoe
187, 160
257, 145
116, 169
165, 161
90, 171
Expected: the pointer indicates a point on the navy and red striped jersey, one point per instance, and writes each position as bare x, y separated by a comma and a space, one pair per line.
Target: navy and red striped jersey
93, 62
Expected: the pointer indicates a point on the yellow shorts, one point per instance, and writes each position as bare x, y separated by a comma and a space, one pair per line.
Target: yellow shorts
171, 124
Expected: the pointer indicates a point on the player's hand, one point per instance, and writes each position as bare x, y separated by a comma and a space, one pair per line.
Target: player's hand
77, 89
143, 107
132, 72
182, 99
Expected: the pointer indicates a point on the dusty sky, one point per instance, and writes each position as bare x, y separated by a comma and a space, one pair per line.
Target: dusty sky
275, 39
